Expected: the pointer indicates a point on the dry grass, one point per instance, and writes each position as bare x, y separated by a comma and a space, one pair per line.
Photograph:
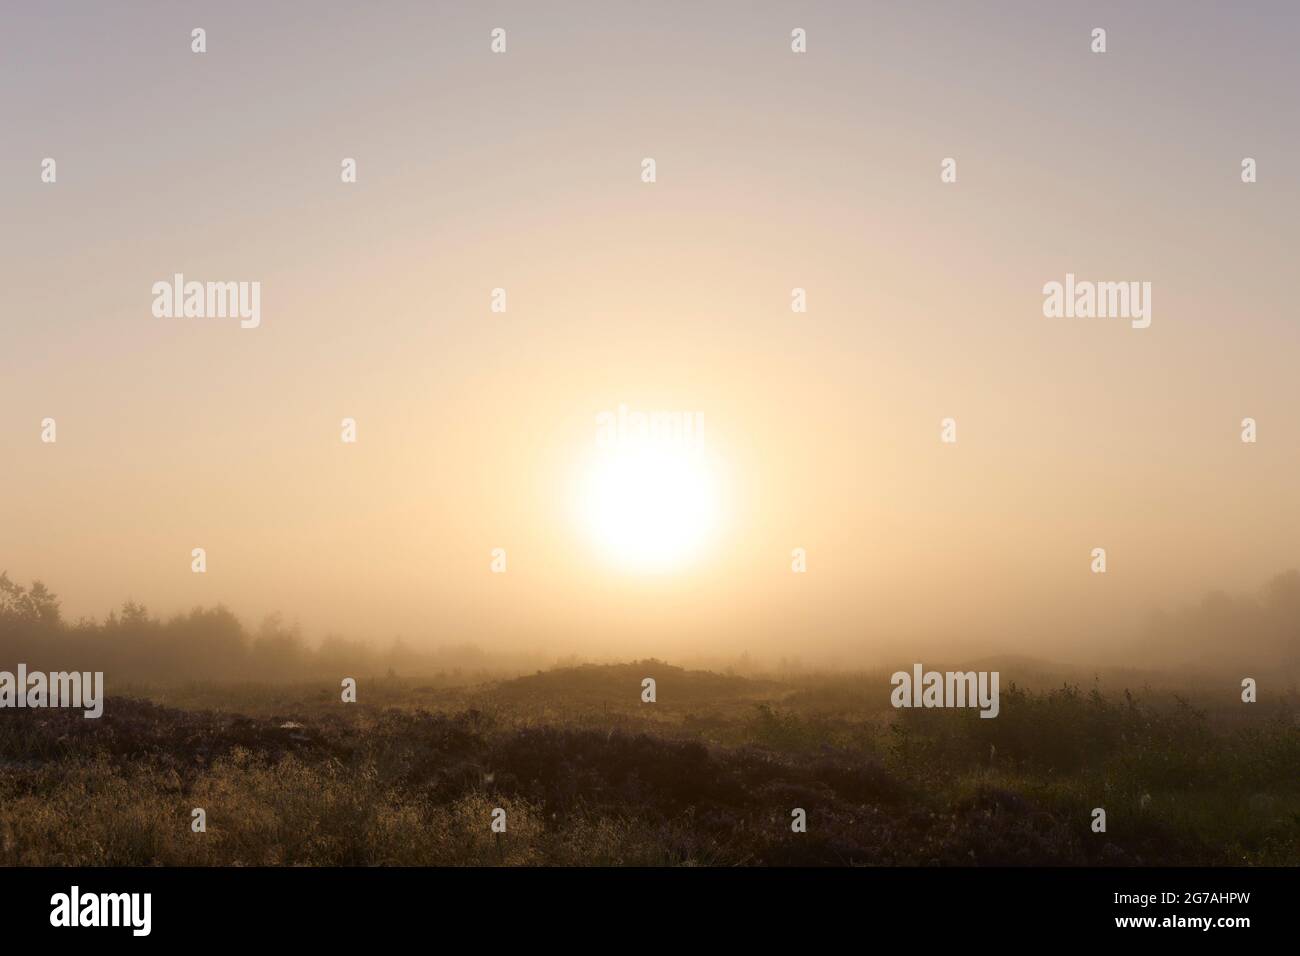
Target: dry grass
588, 775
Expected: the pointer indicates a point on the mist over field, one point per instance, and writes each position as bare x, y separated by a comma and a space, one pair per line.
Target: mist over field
425, 755
1220, 635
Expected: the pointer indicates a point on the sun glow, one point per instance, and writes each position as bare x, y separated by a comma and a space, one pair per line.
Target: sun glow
650, 507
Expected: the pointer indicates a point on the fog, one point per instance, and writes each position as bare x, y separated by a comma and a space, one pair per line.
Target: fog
1222, 634
475, 428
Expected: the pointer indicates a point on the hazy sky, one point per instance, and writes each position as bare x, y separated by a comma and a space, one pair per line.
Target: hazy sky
775, 170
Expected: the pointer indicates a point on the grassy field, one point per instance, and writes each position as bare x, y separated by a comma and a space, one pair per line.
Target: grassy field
706, 775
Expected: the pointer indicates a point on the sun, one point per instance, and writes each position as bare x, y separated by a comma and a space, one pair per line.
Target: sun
650, 507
